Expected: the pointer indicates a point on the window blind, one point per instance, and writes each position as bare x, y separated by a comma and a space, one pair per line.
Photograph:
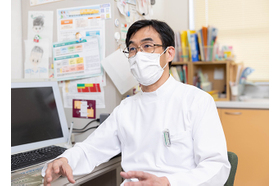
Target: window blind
241, 24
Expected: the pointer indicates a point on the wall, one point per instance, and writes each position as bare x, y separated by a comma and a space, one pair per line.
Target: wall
16, 41
175, 13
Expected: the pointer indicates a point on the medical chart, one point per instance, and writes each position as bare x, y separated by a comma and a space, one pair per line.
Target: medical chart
36, 63
40, 26
74, 60
70, 91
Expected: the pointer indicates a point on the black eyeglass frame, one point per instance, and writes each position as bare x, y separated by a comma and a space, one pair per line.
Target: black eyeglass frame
126, 53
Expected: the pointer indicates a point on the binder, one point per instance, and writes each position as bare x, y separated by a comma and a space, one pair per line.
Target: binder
193, 45
213, 41
204, 38
200, 42
185, 52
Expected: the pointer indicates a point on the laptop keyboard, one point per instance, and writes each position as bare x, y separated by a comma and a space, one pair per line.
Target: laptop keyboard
26, 159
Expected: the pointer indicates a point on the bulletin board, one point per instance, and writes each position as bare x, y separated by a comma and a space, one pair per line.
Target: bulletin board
112, 96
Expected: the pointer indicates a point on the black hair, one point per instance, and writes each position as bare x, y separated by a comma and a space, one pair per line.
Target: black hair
38, 21
166, 33
37, 49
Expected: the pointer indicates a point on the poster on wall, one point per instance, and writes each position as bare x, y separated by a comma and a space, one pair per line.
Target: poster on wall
89, 21
36, 63
40, 26
76, 60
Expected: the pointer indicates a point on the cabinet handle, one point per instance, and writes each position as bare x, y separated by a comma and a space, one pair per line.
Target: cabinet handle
233, 113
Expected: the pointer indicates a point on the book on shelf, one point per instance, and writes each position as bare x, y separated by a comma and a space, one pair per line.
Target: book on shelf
185, 67
180, 73
197, 45
184, 46
209, 35
174, 73
193, 45
204, 38
213, 37
189, 32
178, 51
200, 41
184, 74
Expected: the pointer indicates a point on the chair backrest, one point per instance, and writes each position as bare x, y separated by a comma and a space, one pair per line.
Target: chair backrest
233, 159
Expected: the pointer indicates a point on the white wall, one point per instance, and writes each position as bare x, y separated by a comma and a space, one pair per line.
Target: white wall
174, 12
16, 41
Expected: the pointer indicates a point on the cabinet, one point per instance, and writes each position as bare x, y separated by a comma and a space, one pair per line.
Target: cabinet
247, 135
209, 68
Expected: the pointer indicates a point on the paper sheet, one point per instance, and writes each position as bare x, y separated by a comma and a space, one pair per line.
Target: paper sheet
74, 60
40, 26
84, 108
219, 73
88, 20
117, 67
36, 59
70, 92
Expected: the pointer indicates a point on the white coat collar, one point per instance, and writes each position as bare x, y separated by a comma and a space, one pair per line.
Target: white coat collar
163, 89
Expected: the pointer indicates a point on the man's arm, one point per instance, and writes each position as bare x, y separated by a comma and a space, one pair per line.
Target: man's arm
98, 148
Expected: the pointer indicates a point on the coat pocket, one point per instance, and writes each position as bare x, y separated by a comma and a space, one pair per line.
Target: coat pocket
179, 150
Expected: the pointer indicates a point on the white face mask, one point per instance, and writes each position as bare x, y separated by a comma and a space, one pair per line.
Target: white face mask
146, 68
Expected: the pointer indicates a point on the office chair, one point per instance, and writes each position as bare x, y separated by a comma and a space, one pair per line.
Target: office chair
233, 159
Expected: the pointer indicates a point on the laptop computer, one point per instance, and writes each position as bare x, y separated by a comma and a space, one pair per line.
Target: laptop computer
37, 116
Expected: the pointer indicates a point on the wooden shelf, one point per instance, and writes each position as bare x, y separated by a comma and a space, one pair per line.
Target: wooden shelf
222, 99
209, 67
201, 62
180, 63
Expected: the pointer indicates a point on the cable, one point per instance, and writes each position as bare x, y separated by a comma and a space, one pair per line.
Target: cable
86, 130
87, 124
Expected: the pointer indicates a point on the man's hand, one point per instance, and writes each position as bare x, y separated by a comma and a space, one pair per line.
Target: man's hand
144, 179
56, 169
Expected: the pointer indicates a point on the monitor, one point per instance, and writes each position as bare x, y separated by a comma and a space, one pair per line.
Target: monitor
37, 116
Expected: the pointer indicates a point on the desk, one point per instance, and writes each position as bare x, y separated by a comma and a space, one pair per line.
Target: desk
105, 174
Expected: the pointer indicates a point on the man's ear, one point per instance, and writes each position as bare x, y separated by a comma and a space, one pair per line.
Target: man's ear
170, 53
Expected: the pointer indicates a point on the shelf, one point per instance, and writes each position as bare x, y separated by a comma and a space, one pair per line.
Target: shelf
209, 68
201, 62
222, 99
180, 63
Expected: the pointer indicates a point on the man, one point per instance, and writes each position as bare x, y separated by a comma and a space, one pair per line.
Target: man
169, 134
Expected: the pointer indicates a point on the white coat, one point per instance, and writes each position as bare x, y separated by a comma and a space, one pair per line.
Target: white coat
198, 152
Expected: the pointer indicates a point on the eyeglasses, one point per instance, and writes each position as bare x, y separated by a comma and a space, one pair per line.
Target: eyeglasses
132, 50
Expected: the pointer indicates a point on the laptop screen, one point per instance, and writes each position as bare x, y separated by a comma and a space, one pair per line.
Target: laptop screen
37, 116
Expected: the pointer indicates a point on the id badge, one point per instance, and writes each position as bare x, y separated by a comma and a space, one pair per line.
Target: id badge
166, 136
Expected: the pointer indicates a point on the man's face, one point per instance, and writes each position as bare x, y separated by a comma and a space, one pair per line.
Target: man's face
149, 34
35, 58
37, 29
